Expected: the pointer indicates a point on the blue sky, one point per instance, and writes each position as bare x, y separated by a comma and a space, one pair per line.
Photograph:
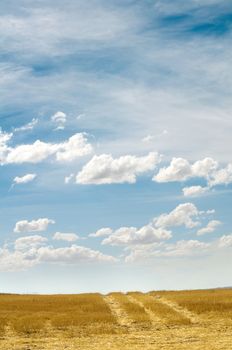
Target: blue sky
115, 145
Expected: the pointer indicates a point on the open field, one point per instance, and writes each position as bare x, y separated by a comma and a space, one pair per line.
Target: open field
195, 320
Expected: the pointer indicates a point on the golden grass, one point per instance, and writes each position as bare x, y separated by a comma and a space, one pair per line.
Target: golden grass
30, 314
89, 314
216, 302
160, 310
134, 311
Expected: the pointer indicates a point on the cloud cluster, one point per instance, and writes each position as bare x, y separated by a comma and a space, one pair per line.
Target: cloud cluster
181, 170
159, 230
32, 226
30, 251
76, 146
29, 242
129, 236
104, 169
182, 215
183, 248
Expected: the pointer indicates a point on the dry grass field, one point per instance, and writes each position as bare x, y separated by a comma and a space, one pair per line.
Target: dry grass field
193, 320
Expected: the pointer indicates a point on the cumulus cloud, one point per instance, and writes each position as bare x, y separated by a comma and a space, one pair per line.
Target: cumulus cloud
194, 191
32, 226
225, 241
211, 227
24, 179
29, 251
68, 237
222, 176
4, 139
126, 236
28, 126
183, 248
16, 260
59, 118
76, 146
182, 215
72, 255
26, 243
105, 231
186, 215
104, 169
181, 170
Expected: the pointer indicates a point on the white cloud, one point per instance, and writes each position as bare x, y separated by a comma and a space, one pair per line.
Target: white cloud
32, 153
76, 146
24, 179
16, 260
4, 139
72, 255
26, 243
105, 231
68, 178
59, 118
68, 237
182, 215
28, 126
148, 138
222, 176
104, 169
186, 215
29, 251
181, 170
225, 241
194, 191
185, 248
211, 227
32, 226
126, 236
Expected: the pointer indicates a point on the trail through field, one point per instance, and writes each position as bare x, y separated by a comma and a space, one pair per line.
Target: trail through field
155, 321
117, 310
176, 307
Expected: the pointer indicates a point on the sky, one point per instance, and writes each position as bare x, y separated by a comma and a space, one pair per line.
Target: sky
115, 145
